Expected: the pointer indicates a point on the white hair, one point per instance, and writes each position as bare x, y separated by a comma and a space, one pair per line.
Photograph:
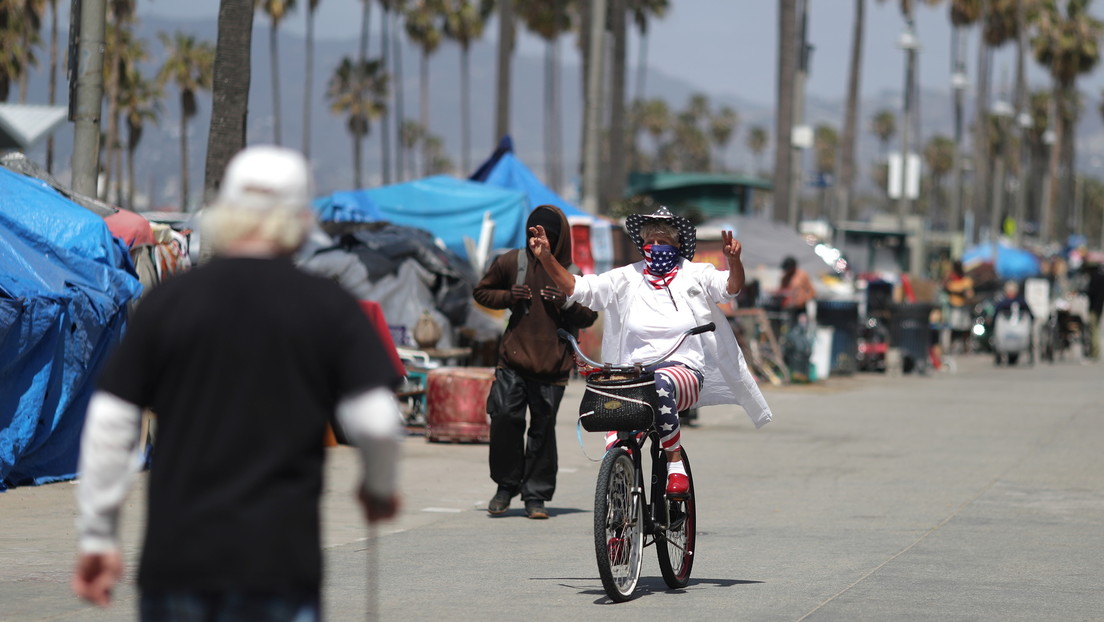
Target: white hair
283, 227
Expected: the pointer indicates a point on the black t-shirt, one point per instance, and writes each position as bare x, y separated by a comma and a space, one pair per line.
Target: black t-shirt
243, 361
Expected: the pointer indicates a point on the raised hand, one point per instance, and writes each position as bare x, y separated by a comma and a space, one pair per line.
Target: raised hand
731, 247
538, 241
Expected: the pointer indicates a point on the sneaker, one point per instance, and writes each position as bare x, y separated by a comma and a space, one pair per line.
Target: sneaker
499, 503
616, 547
678, 484
534, 508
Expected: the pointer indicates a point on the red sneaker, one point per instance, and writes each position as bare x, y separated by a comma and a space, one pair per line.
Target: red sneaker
677, 484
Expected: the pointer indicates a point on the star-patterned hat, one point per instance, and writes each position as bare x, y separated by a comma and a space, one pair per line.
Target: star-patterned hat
688, 235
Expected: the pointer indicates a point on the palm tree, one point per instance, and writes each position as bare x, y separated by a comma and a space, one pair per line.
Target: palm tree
506, 41
411, 134
308, 92
549, 20
230, 98
358, 91
722, 126
962, 14
642, 13
1068, 45
140, 102
784, 107
614, 181
385, 43
757, 140
32, 11
655, 119
464, 22
119, 45
884, 126
277, 10
939, 161
422, 26
190, 67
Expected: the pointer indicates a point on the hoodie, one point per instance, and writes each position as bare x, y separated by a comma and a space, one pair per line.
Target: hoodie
529, 344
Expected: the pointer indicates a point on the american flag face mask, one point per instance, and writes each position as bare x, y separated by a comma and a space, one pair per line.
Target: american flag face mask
660, 265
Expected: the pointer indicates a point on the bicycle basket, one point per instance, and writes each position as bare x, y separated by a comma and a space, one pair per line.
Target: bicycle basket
618, 403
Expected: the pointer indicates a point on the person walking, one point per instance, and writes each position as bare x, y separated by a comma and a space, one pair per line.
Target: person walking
244, 360
795, 289
959, 290
1094, 289
533, 367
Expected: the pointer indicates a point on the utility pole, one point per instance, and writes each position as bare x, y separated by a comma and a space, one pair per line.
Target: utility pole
86, 99
958, 84
502, 81
593, 121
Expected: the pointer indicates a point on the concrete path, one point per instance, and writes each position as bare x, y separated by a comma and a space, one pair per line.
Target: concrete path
972, 495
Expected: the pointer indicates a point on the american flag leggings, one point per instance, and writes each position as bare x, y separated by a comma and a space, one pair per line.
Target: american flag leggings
678, 388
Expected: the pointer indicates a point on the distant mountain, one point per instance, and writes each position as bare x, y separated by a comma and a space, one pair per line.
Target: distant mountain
158, 168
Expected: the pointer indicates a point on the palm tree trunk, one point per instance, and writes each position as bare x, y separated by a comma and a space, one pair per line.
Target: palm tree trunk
52, 95
615, 181
132, 146
505, 56
400, 112
308, 92
385, 128
981, 126
641, 64
357, 182
111, 142
465, 109
274, 62
1050, 199
183, 158
851, 114
787, 67
230, 91
423, 99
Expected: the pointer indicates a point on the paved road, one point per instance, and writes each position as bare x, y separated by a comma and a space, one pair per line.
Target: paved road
974, 495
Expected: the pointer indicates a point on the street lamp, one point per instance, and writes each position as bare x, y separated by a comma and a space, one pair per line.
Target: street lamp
1025, 124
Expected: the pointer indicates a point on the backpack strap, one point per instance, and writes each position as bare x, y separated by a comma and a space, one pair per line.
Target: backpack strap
522, 266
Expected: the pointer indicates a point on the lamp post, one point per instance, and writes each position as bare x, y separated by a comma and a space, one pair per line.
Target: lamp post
959, 83
910, 44
1025, 124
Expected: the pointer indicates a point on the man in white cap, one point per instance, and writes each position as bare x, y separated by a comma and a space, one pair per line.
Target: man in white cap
243, 360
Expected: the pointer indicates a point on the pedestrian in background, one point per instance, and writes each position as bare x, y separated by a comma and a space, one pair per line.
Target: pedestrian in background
959, 289
1094, 289
795, 289
533, 367
244, 361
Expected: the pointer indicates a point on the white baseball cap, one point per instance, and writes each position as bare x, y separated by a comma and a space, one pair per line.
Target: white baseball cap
266, 177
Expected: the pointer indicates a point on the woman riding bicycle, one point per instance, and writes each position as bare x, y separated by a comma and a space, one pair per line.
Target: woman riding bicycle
649, 304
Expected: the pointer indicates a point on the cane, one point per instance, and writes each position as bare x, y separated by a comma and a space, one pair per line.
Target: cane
373, 568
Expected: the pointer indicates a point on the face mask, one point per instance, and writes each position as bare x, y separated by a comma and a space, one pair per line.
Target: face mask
660, 258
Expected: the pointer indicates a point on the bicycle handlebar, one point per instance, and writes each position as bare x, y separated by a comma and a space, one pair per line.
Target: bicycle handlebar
633, 367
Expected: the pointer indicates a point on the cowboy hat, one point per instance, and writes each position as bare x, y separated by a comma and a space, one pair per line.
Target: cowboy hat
688, 235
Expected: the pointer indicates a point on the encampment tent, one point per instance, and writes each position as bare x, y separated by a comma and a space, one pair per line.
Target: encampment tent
504, 170
449, 208
64, 286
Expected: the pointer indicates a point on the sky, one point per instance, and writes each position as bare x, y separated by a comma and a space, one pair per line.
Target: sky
729, 46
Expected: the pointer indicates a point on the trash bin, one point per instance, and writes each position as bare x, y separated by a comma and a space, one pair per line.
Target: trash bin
843, 317
910, 332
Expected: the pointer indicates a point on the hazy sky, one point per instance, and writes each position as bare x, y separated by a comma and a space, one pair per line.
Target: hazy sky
729, 46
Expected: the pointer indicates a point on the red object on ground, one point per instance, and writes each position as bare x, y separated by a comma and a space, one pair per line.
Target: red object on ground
456, 404
906, 285
374, 312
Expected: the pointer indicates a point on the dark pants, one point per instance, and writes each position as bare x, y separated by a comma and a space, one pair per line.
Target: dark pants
186, 606
523, 463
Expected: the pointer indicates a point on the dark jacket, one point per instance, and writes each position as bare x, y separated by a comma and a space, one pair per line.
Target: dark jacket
529, 344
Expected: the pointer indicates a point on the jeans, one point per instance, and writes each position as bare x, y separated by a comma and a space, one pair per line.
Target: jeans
187, 606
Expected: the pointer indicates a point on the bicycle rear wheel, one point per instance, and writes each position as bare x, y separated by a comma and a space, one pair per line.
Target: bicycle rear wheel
618, 533
675, 543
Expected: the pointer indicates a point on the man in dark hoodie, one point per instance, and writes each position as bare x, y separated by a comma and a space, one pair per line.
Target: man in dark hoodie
533, 367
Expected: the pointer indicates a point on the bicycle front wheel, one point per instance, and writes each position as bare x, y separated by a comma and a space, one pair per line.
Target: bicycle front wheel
675, 543
618, 533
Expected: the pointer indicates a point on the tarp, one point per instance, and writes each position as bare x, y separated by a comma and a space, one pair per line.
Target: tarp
504, 170
1011, 263
64, 286
449, 208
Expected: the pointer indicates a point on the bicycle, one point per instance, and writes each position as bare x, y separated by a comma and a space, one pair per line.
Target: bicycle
622, 397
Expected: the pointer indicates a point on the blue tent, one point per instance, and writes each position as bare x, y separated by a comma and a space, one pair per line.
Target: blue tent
504, 170
64, 286
1011, 263
449, 208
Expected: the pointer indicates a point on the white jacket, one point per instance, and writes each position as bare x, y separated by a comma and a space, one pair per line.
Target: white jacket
697, 289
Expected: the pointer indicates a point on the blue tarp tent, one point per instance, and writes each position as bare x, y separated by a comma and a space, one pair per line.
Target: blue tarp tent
64, 286
449, 208
504, 170
1011, 263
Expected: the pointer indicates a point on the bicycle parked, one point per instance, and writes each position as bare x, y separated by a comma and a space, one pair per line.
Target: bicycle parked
629, 516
